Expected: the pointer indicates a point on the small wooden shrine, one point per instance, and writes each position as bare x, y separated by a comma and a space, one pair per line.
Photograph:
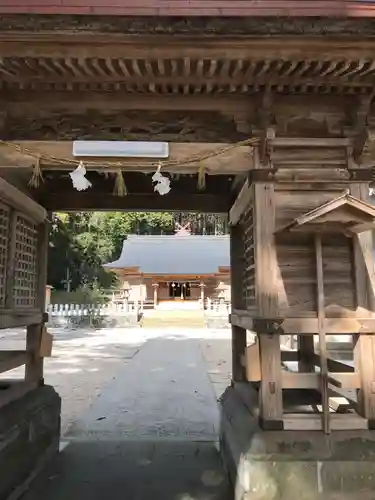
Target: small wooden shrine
307, 271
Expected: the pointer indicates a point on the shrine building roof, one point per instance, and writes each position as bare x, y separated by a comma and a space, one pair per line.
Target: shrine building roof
173, 255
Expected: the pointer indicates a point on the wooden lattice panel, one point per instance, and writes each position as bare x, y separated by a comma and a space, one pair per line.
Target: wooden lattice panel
4, 238
25, 272
248, 273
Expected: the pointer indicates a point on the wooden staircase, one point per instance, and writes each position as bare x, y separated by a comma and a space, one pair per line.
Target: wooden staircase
173, 319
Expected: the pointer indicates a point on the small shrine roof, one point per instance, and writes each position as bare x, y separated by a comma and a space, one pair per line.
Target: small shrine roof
345, 214
175, 254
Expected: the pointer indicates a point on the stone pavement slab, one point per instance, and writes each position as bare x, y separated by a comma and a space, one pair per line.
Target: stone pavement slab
148, 470
164, 392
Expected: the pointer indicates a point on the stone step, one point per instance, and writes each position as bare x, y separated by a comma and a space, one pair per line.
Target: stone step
176, 318
150, 323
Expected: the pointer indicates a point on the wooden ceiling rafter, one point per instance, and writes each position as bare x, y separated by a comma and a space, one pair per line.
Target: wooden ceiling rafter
164, 65
186, 76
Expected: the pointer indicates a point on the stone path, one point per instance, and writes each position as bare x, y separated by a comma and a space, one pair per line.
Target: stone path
151, 432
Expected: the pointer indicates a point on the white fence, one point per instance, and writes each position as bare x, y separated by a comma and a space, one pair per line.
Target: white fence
74, 310
100, 315
116, 314
217, 306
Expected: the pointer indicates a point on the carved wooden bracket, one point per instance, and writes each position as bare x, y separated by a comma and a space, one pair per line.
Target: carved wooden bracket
266, 124
262, 175
266, 116
358, 128
265, 146
271, 175
243, 123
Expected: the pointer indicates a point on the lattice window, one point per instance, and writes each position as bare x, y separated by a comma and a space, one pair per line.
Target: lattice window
248, 275
4, 238
25, 272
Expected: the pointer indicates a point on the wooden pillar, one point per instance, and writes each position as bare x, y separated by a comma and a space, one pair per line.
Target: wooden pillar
202, 287
267, 293
306, 351
48, 296
238, 334
322, 332
155, 287
9, 298
34, 365
364, 345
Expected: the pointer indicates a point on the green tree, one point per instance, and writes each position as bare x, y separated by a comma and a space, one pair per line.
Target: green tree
81, 243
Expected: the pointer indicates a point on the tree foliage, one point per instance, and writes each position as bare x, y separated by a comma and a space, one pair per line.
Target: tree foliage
80, 243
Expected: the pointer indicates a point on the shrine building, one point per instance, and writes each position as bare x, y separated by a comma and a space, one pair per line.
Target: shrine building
174, 268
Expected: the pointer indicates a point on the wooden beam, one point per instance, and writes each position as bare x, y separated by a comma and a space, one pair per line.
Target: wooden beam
334, 366
11, 260
82, 201
364, 345
43, 246
305, 353
239, 334
288, 356
344, 380
301, 380
16, 319
83, 45
233, 161
304, 326
312, 142
19, 103
20, 201
12, 359
242, 201
34, 365
267, 299
320, 300
238, 354
361, 228
294, 380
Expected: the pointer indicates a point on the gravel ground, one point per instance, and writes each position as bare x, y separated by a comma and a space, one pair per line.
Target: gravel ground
84, 362
140, 414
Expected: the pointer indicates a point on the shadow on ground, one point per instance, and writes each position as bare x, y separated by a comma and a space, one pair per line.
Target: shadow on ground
134, 470
151, 433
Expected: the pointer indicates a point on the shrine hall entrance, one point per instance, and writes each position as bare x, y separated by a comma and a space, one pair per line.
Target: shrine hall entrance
179, 290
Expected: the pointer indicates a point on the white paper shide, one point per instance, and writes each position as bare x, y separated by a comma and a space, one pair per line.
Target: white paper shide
163, 184
80, 183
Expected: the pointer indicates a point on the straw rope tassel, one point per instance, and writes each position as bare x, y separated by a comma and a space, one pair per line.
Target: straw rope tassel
201, 178
37, 175
98, 165
120, 186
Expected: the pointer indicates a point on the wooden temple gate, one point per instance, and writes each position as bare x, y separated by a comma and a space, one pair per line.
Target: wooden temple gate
275, 130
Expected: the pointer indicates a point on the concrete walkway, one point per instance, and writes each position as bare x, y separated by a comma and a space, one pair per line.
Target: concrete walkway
150, 435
